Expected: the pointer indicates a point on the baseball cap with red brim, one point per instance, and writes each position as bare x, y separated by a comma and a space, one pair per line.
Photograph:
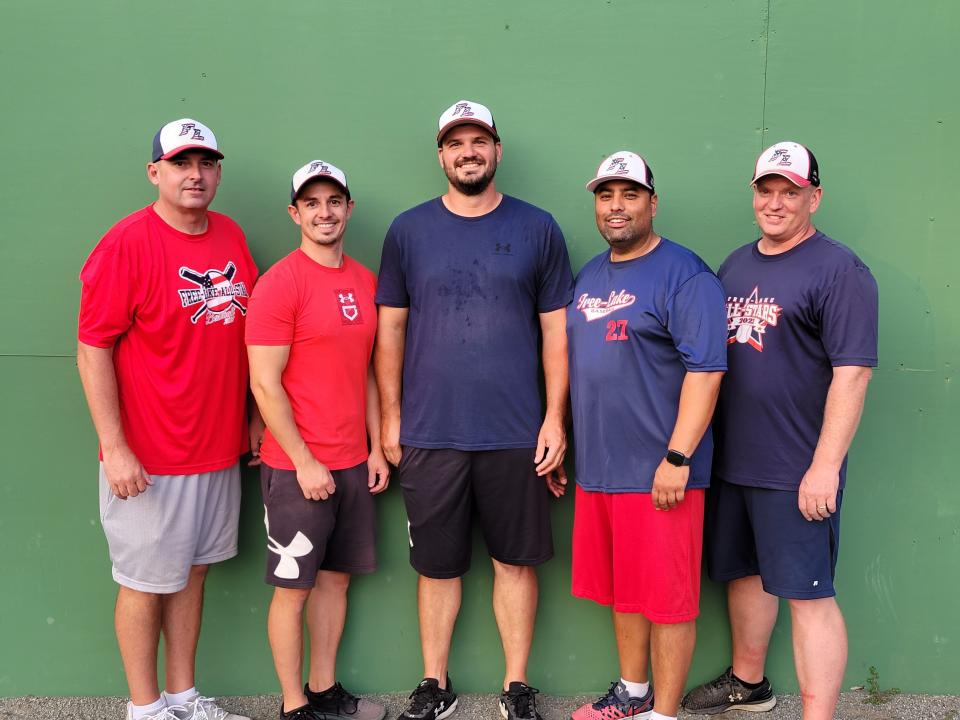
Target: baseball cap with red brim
317, 169
466, 112
182, 135
790, 160
623, 165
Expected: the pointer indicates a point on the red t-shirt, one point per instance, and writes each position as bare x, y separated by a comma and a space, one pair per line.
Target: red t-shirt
172, 306
328, 318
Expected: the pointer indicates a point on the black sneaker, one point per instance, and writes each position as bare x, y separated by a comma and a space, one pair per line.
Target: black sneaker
518, 702
727, 692
338, 704
429, 702
304, 712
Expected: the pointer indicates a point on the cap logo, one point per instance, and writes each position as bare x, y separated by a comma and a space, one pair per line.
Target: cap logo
783, 156
324, 169
618, 166
463, 110
187, 128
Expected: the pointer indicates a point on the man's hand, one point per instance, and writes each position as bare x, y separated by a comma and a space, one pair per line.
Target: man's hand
315, 480
378, 471
256, 428
390, 437
817, 498
557, 481
125, 475
669, 484
551, 446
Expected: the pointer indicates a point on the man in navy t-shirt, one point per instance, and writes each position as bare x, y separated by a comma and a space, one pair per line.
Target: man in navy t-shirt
647, 352
470, 285
802, 324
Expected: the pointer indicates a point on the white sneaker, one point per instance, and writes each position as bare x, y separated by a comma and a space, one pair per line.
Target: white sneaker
163, 714
200, 708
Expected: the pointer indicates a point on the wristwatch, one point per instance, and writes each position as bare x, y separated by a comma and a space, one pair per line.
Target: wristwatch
675, 457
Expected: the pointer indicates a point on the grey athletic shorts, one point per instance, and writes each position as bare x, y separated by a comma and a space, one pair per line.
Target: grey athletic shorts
338, 534
180, 521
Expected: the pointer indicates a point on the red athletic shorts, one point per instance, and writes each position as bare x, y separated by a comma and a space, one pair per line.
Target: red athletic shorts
638, 559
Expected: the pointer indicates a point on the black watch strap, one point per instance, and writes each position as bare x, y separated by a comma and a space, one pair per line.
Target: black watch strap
675, 457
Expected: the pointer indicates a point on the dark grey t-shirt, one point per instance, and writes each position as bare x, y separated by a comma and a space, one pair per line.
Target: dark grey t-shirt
474, 287
791, 318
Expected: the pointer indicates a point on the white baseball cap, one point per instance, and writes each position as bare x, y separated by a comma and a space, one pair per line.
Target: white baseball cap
467, 112
315, 169
623, 165
185, 134
791, 160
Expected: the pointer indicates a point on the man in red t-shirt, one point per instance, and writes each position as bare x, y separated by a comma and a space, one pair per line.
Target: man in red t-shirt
161, 359
309, 337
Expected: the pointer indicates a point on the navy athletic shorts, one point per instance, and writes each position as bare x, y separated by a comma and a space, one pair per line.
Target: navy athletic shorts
759, 531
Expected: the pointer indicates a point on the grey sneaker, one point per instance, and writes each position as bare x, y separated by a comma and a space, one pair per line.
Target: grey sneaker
202, 708
163, 714
728, 693
337, 703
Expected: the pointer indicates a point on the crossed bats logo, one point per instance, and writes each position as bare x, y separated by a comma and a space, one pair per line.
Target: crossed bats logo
617, 165
323, 167
463, 110
215, 292
287, 567
782, 155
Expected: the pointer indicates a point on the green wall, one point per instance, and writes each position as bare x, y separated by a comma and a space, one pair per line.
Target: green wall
697, 87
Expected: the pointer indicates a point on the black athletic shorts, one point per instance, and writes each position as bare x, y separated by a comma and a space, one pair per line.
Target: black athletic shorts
443, 489
303, 536
760, 531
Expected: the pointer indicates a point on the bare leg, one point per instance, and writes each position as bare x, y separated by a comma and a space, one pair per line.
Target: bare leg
285, 630
820, 653
515, 607
672, 650
753, 613
438, 603
182, 612
137, 622
326, 614
633, 646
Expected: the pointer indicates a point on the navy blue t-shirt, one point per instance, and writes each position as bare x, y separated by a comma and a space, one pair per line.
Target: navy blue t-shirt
474, 286
791, 319
635, 328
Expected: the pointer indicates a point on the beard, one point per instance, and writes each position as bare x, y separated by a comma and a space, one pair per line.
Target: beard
475, 185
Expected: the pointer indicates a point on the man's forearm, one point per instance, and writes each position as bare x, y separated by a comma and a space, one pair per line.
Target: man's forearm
99, 379
698, 398
388, 367
373, 410
556, 370
278, 415
841, 415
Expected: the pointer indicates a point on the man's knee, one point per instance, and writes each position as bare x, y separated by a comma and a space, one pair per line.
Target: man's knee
801, 609
513, 572
332, 581
294, 598
198, 573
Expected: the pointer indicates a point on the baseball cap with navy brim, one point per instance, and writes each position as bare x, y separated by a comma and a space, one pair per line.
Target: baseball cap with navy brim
181, 135
623, 165
790, 160
466, 112
317, 169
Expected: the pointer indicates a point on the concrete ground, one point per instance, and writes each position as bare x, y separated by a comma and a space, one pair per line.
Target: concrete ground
484, 707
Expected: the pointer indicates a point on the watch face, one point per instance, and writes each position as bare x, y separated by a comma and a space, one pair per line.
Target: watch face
677, 458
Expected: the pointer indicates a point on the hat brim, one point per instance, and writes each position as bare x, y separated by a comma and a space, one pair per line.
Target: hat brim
466, 121
797, 180
294, 194
598, 181
183, 148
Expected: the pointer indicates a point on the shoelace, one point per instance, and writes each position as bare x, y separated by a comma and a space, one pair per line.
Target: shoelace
205, 708
422, 696
524, 701
607, 700
344, 699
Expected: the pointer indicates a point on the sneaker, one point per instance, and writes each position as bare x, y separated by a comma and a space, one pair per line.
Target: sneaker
616, 704
304, 712
429, 702
338, 704
518, 702
202, 708
728, 693
162, 714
